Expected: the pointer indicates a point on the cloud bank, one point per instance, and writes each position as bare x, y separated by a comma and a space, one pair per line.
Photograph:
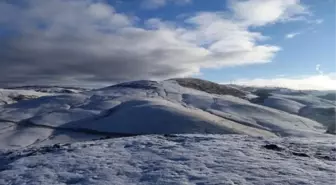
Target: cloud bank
313, 82
75, 41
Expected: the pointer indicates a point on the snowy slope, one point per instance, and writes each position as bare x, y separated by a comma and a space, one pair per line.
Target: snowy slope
243, 153
307, 105
283, 104
150, 107
51, 89
9, 96
175, 159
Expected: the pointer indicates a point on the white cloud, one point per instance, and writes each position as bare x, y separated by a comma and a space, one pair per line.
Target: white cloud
90, 41
292, 35
313, 82
154, 4
261, 12
318, 69
234, 41
311, 28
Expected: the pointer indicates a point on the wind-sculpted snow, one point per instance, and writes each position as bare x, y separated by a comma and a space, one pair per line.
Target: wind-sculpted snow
256, 116
308, 106
47, 104
175, 159
149, 107
283, 104
64, 138
324, 115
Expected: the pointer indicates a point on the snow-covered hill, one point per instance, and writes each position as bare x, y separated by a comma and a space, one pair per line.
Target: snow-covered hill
226, 135
168, 107
50, 89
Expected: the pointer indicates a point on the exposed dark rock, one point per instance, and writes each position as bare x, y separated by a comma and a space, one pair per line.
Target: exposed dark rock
141, 84
326, 157
300, 154
273, 147
21, 97
56, 146
262, 94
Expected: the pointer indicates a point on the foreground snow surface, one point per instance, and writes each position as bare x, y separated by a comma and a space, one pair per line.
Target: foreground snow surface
174, 159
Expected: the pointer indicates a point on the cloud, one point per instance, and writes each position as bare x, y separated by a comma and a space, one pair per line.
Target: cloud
292, 35
74, 41
154, 4
318, 69
313, 82
318, 21
311, 28
262, 12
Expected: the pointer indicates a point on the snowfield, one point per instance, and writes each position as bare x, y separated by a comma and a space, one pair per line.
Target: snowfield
226, 134
175, 159
149, 107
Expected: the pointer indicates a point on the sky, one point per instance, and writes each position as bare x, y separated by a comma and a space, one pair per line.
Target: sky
283, 43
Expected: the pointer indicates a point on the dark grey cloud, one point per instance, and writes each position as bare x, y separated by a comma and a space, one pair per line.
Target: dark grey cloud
74, 41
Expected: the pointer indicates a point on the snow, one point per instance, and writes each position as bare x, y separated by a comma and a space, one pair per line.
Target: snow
51, 89
161, 117
61, 118
63, 138
253, 115
174, 159
308, 106
309, 100
322, 114
148, 107
283, 104
7, 96
27, 109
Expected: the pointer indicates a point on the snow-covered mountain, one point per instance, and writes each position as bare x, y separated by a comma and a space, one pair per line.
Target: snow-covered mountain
33, 123
168, 107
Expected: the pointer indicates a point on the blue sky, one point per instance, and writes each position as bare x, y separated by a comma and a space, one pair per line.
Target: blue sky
288, 43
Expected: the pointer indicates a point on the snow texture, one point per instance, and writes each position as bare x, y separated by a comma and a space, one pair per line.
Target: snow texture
150, 107
175, 159
92, 136
9, 96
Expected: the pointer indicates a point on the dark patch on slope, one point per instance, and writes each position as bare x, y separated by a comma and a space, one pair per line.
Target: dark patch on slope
303, 150
262, 94
21, 97
141, 84
210, 87
273, 147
